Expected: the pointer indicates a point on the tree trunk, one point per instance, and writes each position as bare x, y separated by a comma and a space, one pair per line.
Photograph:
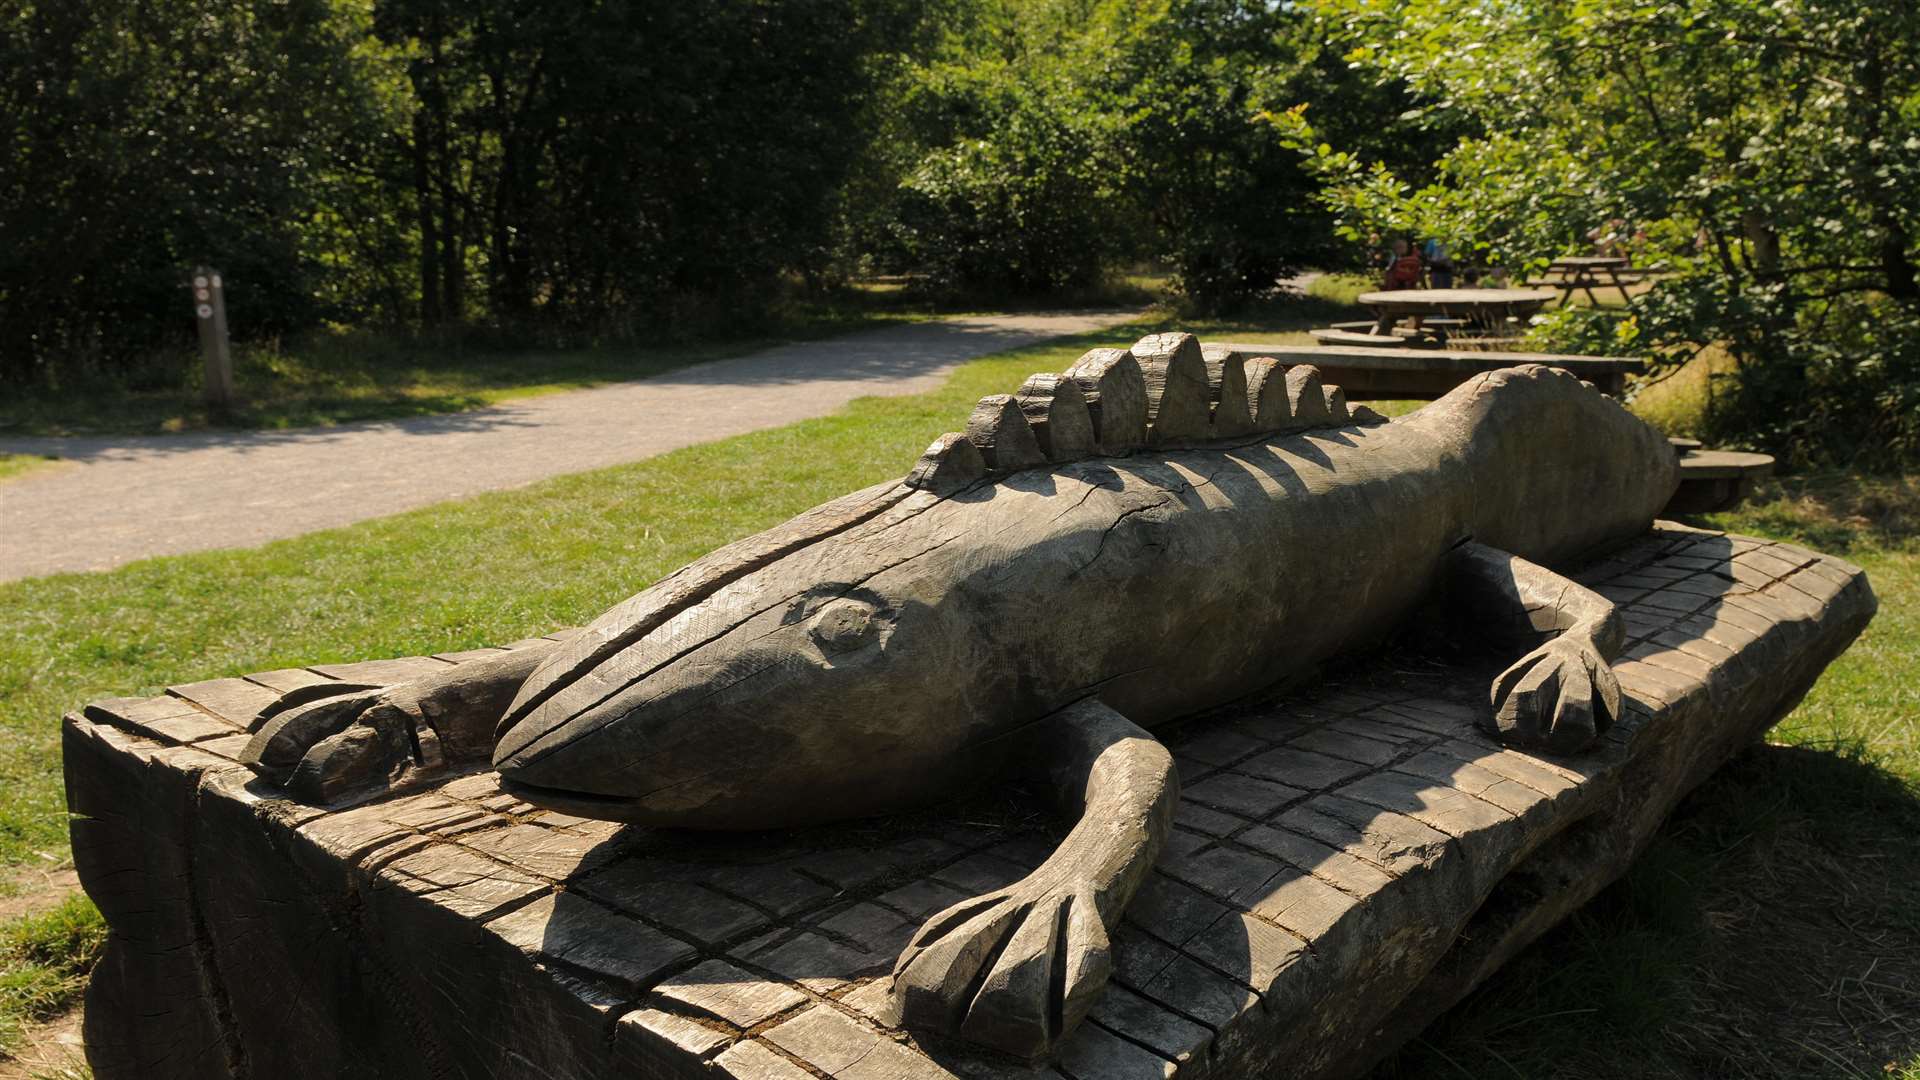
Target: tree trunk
1764, 242
430, 306
1902, 281
452, 254
1895, 266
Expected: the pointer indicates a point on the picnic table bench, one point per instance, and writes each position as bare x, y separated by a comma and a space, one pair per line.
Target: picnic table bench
1581, 273
1398, 374
1714, 480
1487, 309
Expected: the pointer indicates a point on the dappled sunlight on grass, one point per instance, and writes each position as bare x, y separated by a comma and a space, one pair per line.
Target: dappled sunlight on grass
1342, 288
1837, 512
44, 960
1676, 401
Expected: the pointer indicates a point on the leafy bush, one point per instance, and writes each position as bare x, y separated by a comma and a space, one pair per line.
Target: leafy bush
1585, 331
1025, 208
1040, 145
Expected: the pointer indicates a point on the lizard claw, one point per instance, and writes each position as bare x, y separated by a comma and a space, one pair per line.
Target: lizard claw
1014, 969
1558, 698
322, 749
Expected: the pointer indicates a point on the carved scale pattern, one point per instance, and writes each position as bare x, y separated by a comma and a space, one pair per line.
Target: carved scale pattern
1167, 391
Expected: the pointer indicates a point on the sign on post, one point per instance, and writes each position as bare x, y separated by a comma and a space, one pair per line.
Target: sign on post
210, 314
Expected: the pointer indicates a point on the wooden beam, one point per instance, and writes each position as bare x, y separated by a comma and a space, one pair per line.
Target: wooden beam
1387, 374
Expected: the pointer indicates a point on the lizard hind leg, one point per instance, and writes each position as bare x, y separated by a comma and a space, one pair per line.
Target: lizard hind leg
1018, 968
1562, 695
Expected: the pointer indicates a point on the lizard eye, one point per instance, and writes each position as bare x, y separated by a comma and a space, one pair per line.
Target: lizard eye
844, 625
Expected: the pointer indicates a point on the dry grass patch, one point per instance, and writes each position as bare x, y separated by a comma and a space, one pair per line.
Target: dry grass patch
1676, 401
44, 961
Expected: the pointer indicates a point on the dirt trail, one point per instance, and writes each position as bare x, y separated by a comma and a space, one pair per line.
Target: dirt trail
139, 496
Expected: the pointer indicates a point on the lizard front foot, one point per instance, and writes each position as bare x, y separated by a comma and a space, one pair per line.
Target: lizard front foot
389, 736
1559, 698
1012, 969
322, 749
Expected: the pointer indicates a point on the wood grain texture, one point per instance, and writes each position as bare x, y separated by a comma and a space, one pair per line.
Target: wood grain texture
948, 465
1232, 402
1178, 396
460, 932
1058, 414
1115, 391
1001, 433
1267, 391
1306, 397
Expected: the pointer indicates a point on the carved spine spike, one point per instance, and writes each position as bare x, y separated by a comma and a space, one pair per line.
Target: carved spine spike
1115, 393
1179, 401
1058, 415
1363, 415
1306, 398
1337, 406
950, 464
1267, 394
1227, 386
1002, 435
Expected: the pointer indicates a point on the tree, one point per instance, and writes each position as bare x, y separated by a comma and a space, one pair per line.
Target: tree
597, 160
144, 141
600, 164
1056, 139
1766, 150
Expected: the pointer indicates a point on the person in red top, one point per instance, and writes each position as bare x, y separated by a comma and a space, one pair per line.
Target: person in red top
1406, 270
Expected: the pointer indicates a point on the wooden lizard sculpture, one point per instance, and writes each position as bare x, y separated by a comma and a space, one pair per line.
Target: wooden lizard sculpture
1154, 532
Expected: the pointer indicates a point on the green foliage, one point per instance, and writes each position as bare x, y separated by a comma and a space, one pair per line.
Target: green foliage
1050, 142
1764, 153
1586, 331
614, 170
601, 164
1015, 196
142, 140
608, 159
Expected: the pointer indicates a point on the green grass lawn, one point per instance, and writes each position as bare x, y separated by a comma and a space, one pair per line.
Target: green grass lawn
1772, 929
1342, 288
44, 960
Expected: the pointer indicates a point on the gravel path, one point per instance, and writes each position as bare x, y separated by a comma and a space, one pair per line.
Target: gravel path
133, 497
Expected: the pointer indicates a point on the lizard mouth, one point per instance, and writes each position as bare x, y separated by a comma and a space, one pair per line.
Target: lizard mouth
579, 803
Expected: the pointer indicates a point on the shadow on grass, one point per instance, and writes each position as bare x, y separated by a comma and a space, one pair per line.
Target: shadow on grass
1771, 930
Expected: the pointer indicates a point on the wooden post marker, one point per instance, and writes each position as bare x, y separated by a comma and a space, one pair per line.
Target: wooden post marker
210, 314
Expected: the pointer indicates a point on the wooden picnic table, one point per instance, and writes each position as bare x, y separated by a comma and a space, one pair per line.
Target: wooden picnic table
1481, 307
1581, 273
